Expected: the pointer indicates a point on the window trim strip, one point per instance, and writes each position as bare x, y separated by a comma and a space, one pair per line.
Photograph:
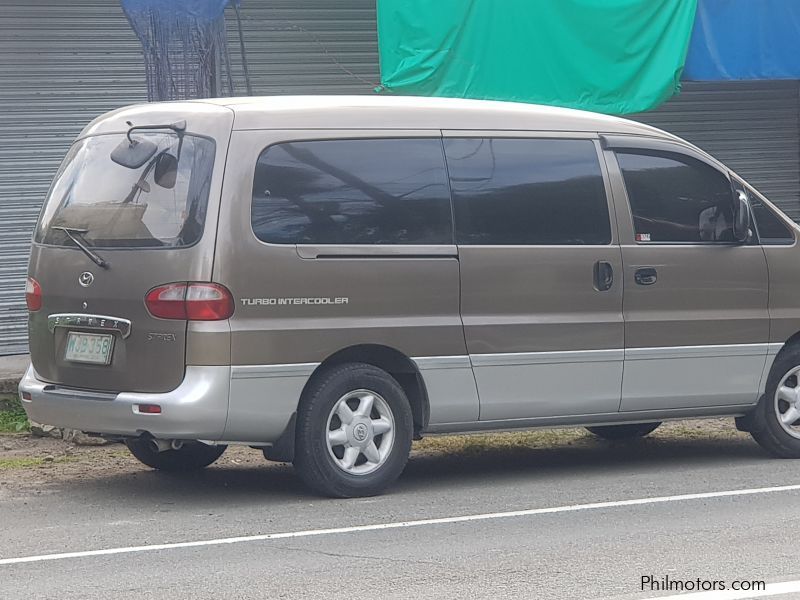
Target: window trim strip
376, 251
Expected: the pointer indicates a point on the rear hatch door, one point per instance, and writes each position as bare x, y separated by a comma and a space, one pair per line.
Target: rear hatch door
146, 225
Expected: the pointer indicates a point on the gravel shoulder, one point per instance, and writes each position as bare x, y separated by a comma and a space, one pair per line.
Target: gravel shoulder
29, 463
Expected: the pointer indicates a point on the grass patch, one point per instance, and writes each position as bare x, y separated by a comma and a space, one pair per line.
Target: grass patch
12, 416
26, 462
473, 444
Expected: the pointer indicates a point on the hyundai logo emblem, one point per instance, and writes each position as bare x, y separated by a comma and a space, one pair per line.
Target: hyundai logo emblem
85, 279
360, 432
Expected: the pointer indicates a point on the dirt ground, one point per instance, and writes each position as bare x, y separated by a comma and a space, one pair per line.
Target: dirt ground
29, 463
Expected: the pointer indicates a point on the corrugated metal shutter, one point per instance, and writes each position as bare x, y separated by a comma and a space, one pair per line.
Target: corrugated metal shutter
63, 63
750, 126
307, 46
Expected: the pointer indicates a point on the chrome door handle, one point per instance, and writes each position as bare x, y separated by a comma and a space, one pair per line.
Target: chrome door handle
603, 276
645, 276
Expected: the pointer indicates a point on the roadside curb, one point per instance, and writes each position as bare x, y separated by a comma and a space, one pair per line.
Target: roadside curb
9, 385
12, 368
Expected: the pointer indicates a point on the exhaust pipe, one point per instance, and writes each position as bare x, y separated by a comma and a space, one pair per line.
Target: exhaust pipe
157, 445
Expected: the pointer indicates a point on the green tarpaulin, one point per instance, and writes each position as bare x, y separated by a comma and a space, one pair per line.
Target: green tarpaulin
612, 56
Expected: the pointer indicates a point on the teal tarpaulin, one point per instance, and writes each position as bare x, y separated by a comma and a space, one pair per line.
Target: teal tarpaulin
612, 56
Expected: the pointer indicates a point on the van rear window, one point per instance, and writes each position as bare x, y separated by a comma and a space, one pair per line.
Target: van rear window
357, 191
157, 199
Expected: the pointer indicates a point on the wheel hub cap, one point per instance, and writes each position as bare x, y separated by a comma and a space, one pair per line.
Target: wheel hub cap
787, 402
360, 432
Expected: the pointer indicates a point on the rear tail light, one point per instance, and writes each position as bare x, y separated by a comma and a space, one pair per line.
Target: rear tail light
190, 301
208, 302
33, 294
167, 301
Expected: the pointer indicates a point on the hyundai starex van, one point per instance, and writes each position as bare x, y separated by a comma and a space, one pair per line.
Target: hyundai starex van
327, 279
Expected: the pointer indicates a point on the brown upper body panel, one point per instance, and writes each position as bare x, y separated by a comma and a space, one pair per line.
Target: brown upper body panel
302, 303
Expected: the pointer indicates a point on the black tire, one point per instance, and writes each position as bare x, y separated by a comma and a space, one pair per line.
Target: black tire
624, 432
191, 456
765, 426
313, 460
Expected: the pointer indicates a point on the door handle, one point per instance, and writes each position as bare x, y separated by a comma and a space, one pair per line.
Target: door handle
603, 276
645, 276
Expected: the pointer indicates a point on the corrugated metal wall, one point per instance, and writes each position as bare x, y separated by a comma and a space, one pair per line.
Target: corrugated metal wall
751, 126
61, 64
306, 46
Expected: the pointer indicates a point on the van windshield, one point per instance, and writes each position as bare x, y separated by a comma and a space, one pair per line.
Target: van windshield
161, 203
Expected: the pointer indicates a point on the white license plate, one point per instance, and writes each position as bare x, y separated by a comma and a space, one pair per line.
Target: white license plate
89, 348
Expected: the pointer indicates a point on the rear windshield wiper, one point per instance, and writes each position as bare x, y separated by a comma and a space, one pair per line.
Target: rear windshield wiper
76, 235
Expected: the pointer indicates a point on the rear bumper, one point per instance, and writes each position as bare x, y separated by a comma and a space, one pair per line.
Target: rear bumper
196, 409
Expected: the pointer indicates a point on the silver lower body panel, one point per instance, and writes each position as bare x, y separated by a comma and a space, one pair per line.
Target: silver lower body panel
196, 409
615, 418
255, 403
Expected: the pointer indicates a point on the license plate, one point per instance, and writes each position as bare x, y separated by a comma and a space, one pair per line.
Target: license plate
89, 348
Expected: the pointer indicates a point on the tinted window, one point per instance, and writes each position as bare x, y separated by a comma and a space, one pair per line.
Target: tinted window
677, 199
524, 191
770, 227
124, 207
387, 191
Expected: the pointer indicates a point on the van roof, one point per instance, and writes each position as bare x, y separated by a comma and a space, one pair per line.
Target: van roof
372, 112
414, 112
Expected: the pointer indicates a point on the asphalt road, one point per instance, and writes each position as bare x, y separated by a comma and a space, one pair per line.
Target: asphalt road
592, 552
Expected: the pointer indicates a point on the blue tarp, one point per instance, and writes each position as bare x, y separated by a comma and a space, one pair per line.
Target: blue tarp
744, 39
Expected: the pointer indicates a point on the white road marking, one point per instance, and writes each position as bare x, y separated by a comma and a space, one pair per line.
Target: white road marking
773, 589
402, 524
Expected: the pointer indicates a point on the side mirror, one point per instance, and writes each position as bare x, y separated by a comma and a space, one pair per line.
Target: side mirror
741, 217
134, 153
166, 171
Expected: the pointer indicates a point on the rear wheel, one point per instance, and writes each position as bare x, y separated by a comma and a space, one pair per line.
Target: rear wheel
189, 457
776, 426
354, 428
624, 432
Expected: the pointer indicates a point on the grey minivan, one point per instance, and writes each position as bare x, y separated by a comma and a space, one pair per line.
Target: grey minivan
326, 279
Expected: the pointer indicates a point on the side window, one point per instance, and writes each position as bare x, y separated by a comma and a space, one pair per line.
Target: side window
676, 198
527, 191
771, 229
359, 191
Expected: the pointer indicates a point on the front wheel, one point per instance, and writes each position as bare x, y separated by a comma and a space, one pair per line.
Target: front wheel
624, 432
777, 422
354, 428
190, 456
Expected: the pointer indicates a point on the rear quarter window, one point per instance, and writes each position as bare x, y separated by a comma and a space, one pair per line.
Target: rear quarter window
358, 191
